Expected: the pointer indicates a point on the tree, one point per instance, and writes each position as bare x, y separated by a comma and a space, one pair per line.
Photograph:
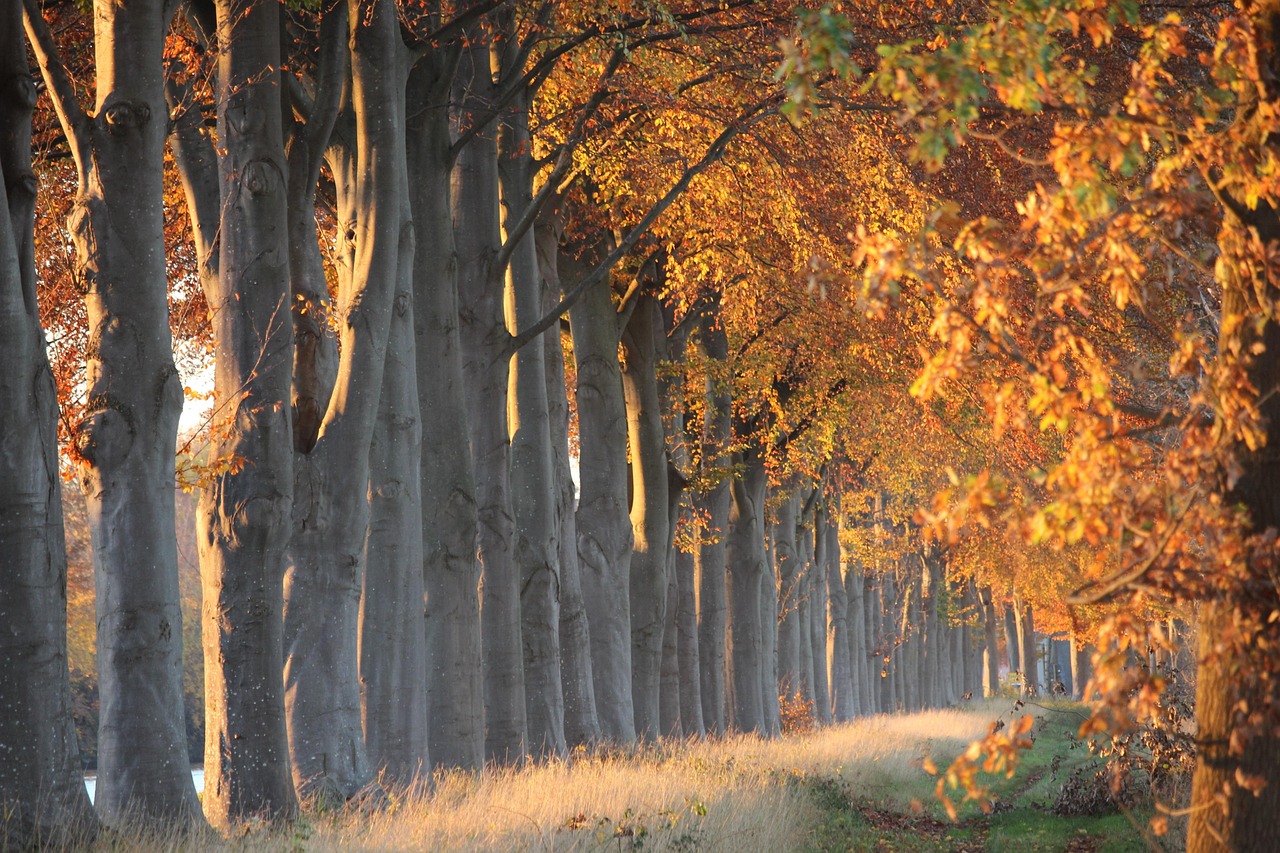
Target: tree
245, 511
41, 789
451, 569
125, 441
650, 510
324, 584
1150, 151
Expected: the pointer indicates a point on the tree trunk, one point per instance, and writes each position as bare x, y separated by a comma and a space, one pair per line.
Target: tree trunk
649, 511
451, 569
818, 574
1026, 626
747, 571
322, 588
714, 504
769, 649
604, 524
872, 632
1012, 639
531, 458
888, 641
126, 440
42, 789
842, 600
991, 654
936, 662
787, 567
393, 643
670, 724
806, 600
1225, 814
315, 353
485, 339
1081, 668
957, 674
684, 568
244, 512
581, 719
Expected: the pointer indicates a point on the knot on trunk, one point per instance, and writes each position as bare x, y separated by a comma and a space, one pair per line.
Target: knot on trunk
263, 176
22, 91
105, 435
123, 116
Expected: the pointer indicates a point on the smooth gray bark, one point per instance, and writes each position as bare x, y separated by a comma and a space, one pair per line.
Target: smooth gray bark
871, 661
603, 519
669, 721
935, 660
393, 644
311, 585
1025, 621
747, 572
650, 511
485, 339
451, 568
315, 359
1012, 640
1081, 667
841, 638
887, 643
818, 574
323, 586
1060, 654
244, 514
689, 654
581, 721
126, 439
769, 649
787, 569
912, 627
680, 645
717, 428
42, 791
531, 460
991, 651
805, 601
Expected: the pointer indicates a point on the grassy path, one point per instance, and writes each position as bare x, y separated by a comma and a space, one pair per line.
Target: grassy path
911, 820
857, 786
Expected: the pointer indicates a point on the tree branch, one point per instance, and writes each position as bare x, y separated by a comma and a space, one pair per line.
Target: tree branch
750, 117
564, 159
544, 65
71, 115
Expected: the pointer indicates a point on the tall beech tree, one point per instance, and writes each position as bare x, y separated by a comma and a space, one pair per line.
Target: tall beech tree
484, 336
642, 340
711, 566
126, 440
581, 715
324, 583
245, 512
451, 568
41, 790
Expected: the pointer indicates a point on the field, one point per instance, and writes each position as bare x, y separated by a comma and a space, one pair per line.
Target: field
852, 787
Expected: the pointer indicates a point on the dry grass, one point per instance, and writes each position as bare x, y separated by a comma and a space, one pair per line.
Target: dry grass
736, 794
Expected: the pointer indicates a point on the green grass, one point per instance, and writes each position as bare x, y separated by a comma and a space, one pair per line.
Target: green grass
908, 818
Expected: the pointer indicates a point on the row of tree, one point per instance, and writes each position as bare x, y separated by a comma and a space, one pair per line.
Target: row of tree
390, 212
